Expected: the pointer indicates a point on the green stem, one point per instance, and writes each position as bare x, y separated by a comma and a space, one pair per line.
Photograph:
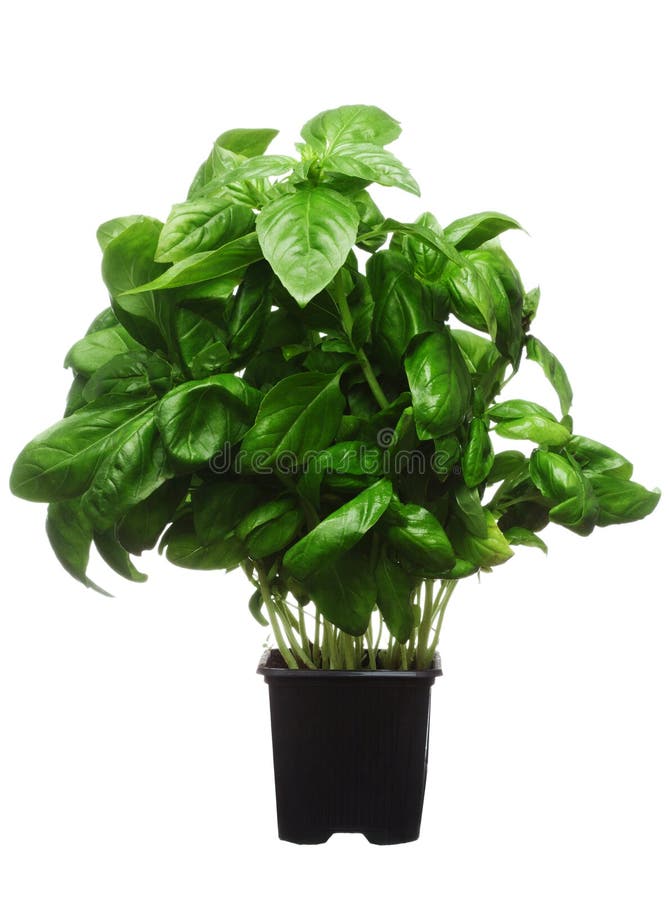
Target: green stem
274, 621
371, 648
292, 640
347, 322
404, 662
450, 587
317, 638
333, 655
425, 626
347, 647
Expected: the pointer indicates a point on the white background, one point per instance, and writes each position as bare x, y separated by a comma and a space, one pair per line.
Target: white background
135, 754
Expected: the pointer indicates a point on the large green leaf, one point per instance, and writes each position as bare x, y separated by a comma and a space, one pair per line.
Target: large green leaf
221, 504
574, 502
301, 413
127, 263
185, 549
96, 349
400, 312
230, 150
232, 257
367, 124
141, 527
470, 232
478, 457
306, 238
270, 527
258, 167
492, 549
199, 225
553, 370
621, 501
345, 593
116, 556
394, 590
111, 229
370, 163
441, 387
60, 462
128, 475
200, 418
340, 531
534, 428
70, 535
420, 539
596, 457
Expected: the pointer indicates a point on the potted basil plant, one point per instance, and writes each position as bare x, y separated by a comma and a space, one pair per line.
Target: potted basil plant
286, 381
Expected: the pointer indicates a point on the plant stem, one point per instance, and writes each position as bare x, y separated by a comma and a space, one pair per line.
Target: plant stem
425, 625
404, 663
347, 322
317, 638
347, 647
448, 591
274, 621
292, 640
372, 649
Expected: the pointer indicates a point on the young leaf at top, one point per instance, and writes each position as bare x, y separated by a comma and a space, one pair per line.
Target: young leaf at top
361, 124
306, 238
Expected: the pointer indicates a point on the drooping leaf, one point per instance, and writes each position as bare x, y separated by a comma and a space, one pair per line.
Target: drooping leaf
470, 232
184, 548
621, 501
306, 238
70, 535
486, 551
116, 556
595, 457
340, 531
524, 537
345, 593
141, 527
553, 370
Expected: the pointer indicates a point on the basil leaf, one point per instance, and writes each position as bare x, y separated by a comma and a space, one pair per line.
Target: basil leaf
470, 232
596, 457
621, 501
399, 311
247, 141
394, 591
111, 229
306, 238
340, 531
116, 556
270, 528
137, 372
575, 505
534, 428
141, 527
128, 475
367, 124
199, 225
345, 593
219, 506
370, 163
506, 463
200, 418
258, 167
492, 549
553, 370
518, 409
70, 535
299, 414
441, 387
524, 537
428, 263
98, 348
59, 464
419, 538
478, 457
185, 549
234, 256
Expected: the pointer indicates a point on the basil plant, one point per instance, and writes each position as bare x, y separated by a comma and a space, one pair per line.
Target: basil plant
286, 381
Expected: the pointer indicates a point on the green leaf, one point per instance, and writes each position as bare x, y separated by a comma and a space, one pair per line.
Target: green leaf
399, 311
595, 457
469, 512
141, 527
247, 141
345, 593
111, 229
137, 372
185, 549
127, 475
475, 292
470, 232
128, 262
367, 124
427, 262
530, 305
60, 462
441, 387
220, 505
370, 217
490, 550
574, 503
534, 428
70, 535
229, 151
517, 409
340, 531
505, 464
116, 556
255, 608
258, 167
621, 501
553, 370
199, 418
478, 457
394, 591
524, 537
98, 348
300, 413
270, 527
417, 535
203, 346
370, 163
232, 257
249, 312
200, 225
306, 238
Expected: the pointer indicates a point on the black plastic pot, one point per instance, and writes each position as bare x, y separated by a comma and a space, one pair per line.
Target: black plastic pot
350, 751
